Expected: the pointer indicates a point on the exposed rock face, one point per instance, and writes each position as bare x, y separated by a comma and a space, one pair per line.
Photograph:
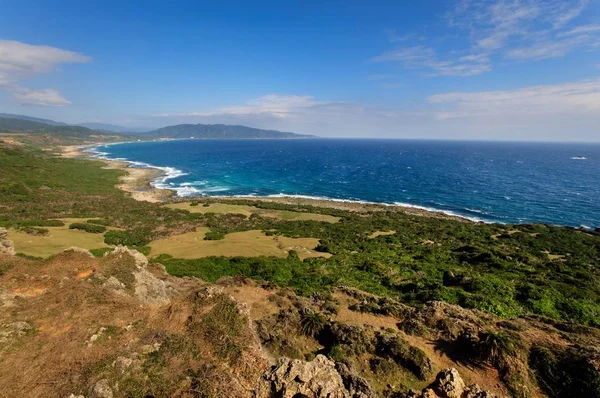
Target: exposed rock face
317, 378
140, 259
147, 287
6, 246
102, 390
449, 384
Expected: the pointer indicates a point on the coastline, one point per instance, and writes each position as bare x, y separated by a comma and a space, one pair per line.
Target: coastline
140, 183
137, 181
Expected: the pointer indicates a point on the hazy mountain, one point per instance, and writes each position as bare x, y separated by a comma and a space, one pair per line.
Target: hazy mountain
217, 131
32, 119
113, 128
12, 125
16, 123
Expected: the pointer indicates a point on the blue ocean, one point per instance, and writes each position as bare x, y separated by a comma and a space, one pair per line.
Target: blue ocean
486, 181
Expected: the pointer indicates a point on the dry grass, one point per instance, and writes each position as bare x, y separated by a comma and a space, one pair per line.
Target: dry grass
58, 239
224, 208
381, 233
246, 244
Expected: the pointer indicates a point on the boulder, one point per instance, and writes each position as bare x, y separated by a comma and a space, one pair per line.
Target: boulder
317, 378
6, 245
449, 384
102, 390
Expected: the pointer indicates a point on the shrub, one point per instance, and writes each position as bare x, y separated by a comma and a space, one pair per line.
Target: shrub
311, 322
91, 228
565, 373
194, 203
99, 222
127, 238
34, 231
214, 235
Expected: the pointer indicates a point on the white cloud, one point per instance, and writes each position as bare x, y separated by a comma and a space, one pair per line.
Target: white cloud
40, 97
20, 61
561, 101
509, 29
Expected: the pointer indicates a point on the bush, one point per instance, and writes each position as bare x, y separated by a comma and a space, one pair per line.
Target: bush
127, 238
311, 322
565, 373
91, 228
99, 222
213, 235
34, 231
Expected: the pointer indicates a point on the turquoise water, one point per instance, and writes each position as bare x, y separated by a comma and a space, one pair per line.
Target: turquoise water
494, 182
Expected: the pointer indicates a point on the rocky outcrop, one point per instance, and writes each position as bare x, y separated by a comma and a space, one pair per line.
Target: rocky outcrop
102, 390
320, 377
449, 384
6, 245
145, 286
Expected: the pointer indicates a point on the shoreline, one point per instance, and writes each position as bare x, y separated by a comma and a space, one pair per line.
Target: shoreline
140, 183
137, 181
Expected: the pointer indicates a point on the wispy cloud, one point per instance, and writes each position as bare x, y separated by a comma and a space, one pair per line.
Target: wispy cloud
20, 61
425, 57
551, 112
505, 29
560, 101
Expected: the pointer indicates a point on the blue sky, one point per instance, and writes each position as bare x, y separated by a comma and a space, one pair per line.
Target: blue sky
466, 69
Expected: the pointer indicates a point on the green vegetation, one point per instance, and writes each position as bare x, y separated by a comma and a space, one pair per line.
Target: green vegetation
213, 235
565, 372
312, 322
91, 228
505, 270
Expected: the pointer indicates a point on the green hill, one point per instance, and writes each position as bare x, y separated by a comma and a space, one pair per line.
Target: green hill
218, 131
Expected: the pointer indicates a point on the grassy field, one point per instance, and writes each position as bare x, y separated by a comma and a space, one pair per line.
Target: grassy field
58, 239
244, 244
246, 210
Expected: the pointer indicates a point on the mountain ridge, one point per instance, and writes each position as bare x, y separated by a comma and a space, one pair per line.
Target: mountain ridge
218, 131
13, 122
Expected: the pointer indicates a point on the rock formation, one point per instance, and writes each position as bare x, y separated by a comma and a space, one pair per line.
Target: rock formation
6, 246
320, 377
449, 384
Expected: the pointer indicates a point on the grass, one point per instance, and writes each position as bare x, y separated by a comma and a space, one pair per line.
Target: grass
57, 240
251, 243
246, 210
381, 233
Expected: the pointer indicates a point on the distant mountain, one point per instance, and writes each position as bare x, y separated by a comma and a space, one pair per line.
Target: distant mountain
32, 119
113, 128
217, 131
11, 125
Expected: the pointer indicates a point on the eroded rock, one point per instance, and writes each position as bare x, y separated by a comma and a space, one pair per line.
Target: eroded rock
318, 378
6, 245
449, 384
102, 389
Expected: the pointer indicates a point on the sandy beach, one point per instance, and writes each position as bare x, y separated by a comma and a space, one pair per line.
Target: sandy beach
138, 183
